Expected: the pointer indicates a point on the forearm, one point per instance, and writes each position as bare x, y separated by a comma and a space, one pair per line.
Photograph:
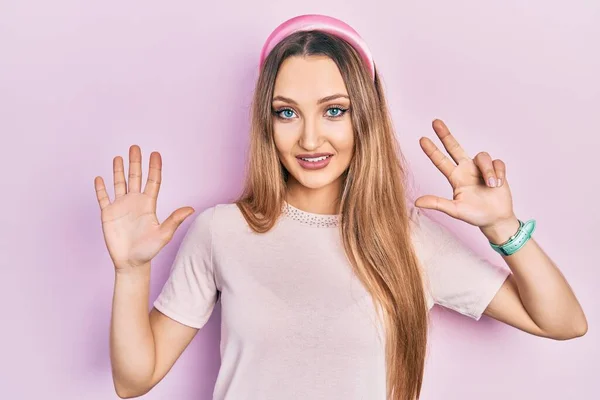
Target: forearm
131, 341
544, 292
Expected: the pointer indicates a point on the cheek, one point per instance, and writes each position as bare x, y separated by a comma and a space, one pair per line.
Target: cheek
285, 136
341, 136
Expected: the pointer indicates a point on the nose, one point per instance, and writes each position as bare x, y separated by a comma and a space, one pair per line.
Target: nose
310, 138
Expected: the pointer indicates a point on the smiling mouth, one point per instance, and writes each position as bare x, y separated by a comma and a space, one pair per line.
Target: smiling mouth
314, 163
315, 159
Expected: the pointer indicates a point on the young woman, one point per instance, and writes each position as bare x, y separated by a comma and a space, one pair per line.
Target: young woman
325, 269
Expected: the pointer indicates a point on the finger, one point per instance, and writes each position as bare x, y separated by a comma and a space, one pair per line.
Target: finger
170, 225
154, 175
449, 141
500, 169
443, 163
484, 162
119, 177
101, 193
437, 203
135, 169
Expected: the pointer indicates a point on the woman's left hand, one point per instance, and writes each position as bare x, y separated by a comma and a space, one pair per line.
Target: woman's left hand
477, 198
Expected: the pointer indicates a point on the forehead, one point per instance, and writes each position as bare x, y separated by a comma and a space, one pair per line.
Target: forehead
308, 78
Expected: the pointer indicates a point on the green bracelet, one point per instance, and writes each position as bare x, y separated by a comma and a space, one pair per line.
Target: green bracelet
516, 241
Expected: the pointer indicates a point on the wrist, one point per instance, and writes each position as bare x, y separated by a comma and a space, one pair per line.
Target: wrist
132, 273
500, 232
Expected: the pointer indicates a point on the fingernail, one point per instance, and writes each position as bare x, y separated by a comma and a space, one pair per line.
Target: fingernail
491, 181
499, 182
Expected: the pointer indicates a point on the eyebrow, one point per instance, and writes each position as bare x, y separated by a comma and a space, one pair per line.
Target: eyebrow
321, 101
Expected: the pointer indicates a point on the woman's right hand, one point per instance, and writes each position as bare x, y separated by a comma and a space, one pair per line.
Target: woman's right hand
131, 230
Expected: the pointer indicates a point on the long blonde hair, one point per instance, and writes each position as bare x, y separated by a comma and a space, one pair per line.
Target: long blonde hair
375, 219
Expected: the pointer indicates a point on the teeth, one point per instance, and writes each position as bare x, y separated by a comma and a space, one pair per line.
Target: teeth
315, 159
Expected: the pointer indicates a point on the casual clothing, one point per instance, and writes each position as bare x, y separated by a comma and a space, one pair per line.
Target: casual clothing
296, 322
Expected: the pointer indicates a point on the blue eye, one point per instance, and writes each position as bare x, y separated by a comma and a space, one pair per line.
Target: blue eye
286, 113
332, 112
336, 112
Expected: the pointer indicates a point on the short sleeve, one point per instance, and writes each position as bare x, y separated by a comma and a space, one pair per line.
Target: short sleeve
190, 293
457, 277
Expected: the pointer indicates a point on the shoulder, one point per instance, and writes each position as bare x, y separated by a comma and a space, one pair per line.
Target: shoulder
428, 236
420, 225
222, 218
423, 227
220, 212
214, 215
228, 214
227, 210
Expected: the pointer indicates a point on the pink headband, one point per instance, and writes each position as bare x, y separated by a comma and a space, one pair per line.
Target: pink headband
322, 23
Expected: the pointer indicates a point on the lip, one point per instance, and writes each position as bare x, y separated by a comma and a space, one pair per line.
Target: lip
313, 155
314, 165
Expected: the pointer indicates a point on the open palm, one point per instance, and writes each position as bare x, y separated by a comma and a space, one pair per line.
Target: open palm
131, 229
481, 194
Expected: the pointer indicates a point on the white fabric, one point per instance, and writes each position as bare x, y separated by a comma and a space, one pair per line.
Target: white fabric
296, 322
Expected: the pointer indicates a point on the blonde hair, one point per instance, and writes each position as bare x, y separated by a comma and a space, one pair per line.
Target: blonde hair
375, 218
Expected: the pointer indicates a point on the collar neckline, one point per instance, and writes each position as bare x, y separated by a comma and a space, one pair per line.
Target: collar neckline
312, 219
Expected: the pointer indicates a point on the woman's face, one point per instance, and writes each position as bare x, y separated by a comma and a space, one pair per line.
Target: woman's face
311, 122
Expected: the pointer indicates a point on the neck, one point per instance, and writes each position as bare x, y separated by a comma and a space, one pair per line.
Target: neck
323, 200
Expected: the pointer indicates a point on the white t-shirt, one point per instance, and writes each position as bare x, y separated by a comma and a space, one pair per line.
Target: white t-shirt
296, 322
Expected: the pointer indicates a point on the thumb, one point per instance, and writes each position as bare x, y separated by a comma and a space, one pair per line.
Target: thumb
437, 203
170, 225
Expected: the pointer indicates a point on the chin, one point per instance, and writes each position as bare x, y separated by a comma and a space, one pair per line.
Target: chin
315, 183
315, 180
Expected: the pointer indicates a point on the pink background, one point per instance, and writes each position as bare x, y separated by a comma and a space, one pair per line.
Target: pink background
81, 81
